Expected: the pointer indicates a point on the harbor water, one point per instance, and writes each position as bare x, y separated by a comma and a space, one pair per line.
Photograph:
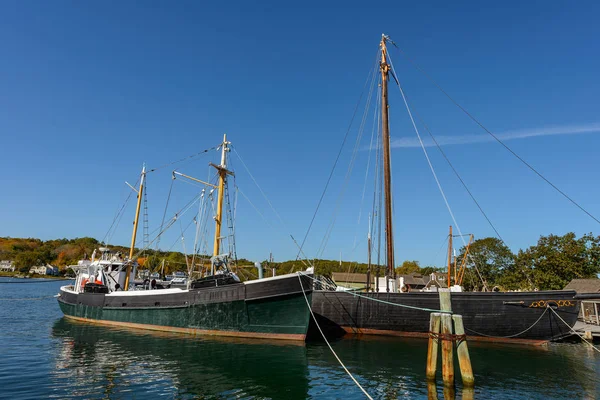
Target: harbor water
43, 355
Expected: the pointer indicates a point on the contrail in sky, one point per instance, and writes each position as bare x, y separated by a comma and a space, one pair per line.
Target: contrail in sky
504, 136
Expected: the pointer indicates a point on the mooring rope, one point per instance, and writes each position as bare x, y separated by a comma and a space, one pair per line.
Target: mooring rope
573, 330
381, 301
509, 336
326, 341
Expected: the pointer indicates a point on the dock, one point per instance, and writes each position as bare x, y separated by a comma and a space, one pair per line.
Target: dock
587, 330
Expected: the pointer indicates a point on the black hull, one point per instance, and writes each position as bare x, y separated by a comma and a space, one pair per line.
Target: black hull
491, 316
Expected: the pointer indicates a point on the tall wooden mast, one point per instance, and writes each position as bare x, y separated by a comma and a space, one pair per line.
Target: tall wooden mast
223, 172
387, 174
140, 193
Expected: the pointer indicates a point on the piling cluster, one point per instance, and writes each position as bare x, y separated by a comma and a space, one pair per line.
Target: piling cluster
448, 329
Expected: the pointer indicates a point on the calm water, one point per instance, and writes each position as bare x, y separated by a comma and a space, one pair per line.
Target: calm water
44, 356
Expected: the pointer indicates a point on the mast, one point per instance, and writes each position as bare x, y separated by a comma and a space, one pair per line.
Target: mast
449, 256
387, 174
223, 172
140, 192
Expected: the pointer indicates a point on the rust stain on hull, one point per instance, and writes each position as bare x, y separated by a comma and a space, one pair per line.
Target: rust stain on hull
192, 331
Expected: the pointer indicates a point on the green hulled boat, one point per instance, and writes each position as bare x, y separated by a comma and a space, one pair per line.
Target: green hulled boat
218, 303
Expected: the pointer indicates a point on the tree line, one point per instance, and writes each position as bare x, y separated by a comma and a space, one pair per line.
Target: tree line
550, 264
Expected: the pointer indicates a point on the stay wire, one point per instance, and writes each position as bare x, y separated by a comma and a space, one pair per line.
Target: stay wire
336, 159
342, 192
183, 159
433, 170
458, 176
497, 138
270, 205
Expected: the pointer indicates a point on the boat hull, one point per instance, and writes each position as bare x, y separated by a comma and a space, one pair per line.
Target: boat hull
273, 309
487, 316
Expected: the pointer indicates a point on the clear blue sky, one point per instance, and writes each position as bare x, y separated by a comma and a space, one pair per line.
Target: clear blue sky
91, 90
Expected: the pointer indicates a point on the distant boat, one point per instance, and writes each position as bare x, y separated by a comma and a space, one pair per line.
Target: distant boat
216, 304
512, 316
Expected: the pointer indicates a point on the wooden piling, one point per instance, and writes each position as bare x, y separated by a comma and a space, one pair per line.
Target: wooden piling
432, 347
462, 351
447, 350
445, 300
431, 391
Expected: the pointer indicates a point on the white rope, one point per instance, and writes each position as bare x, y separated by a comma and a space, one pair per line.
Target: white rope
573, 330
325, 339
433, 170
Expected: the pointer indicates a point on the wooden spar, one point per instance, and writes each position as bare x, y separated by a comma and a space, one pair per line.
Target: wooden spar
387, 174
450, 257
140, 193
194, 179
463, 263
222, 171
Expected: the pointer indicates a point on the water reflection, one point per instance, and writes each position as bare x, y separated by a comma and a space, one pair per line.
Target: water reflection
106, 362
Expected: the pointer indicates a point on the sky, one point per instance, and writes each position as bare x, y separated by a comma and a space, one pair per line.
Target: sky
90, 91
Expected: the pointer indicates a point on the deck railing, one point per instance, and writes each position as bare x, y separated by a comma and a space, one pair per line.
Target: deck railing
589, 311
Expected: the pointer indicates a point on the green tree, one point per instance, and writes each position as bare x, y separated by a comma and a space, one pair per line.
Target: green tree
487, 260
408, 267
556, 260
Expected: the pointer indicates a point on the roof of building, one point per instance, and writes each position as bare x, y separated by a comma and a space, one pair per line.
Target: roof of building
351, 277
415, 280
584, 285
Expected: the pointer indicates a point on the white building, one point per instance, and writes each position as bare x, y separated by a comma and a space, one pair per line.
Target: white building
44, 270
7, 266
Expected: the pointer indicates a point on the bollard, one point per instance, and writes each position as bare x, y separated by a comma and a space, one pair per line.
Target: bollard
462, 351
432, 346
447, 351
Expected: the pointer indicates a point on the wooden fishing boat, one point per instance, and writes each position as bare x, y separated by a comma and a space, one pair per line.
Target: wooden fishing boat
216, 304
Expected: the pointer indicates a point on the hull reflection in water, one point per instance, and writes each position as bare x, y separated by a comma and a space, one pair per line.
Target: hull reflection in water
100, 360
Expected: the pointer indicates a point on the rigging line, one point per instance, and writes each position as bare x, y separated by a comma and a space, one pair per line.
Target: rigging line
269, 224
349, 171
118, 216
432, 169
118, 213
459, 177
178, 215
162, 222
337, 157
183, 159
269, 202
497, 138
198, 224
572, 330
368, 169
326, 341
